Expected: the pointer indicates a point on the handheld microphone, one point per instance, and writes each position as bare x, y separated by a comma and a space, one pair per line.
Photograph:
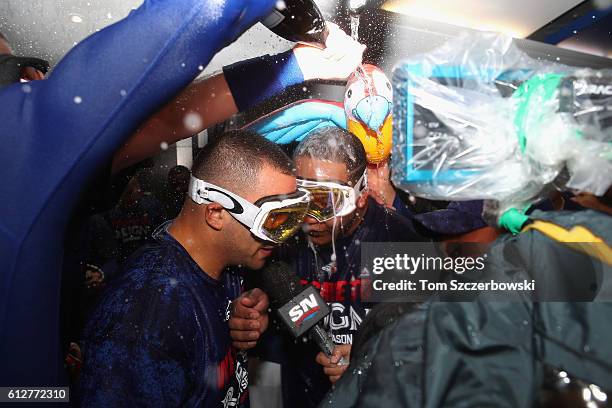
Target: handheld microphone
300, 308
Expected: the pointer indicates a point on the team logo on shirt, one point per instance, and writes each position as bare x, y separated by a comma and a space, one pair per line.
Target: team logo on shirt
228, 311
229, 400
232, 369
242, 377
330, 268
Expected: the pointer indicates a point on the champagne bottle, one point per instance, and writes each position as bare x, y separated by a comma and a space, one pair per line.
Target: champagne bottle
298, 21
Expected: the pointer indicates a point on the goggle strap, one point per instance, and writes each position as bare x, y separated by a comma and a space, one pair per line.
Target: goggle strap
251, 215
362, 180
241, 209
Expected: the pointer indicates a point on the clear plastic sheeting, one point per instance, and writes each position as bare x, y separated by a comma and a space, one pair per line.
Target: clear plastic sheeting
479, 119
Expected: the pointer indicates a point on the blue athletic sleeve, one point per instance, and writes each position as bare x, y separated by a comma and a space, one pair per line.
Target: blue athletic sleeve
55, 133
104, 88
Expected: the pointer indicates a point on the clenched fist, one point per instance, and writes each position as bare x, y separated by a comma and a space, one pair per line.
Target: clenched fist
249, 318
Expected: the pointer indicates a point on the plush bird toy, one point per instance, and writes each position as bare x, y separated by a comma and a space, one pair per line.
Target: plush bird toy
366, 113
367, 105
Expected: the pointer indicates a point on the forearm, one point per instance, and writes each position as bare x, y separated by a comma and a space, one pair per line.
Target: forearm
203, 104
379, 184
210, 101
601, 207
240, 87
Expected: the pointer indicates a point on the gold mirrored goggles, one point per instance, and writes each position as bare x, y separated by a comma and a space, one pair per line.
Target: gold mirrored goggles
273, 218
331, 199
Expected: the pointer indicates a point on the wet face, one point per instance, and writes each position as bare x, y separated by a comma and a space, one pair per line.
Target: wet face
248, 250
321, 233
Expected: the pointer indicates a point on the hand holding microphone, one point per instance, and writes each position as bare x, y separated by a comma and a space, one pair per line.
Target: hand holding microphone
249, 319
332, 366
300, 308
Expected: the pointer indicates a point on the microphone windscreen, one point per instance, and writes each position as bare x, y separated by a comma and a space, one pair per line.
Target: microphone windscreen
280, 283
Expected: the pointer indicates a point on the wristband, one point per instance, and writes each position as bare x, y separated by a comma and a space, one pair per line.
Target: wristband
514, 220
258, 79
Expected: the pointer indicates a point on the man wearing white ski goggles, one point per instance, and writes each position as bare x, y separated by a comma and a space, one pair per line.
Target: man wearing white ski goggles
332, 199
273, 218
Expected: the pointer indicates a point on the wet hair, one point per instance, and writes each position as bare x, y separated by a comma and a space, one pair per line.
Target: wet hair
234, 160
336, 145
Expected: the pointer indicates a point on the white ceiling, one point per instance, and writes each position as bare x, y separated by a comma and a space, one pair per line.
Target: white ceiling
49, 28
518, 18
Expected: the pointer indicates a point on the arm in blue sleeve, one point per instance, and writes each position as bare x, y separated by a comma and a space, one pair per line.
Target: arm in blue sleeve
273, 73
54, 135
121, 75
106, 86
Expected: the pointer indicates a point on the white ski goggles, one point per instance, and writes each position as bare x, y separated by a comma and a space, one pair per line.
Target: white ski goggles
331, 199
272, 218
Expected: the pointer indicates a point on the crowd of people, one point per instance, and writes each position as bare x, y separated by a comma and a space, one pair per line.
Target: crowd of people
154, 299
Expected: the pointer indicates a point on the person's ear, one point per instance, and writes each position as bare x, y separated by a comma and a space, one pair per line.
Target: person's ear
362, 200
215, 216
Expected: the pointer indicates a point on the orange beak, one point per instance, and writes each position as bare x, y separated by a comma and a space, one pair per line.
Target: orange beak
377, 145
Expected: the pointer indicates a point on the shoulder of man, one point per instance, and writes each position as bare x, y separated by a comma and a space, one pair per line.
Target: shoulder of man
146, 302
143, 330
387, 225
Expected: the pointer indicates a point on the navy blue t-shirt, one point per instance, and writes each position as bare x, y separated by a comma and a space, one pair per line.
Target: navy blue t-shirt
133, 226
160, 335
304, 383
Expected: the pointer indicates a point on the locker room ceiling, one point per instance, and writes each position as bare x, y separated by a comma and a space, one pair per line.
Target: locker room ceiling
518, 18
49, 29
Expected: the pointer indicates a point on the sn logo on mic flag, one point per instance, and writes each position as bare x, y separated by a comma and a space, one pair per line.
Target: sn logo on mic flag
304, 311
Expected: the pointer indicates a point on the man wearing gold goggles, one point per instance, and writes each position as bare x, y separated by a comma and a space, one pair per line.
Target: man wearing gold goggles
331, 166
177, 294
243, 209
338, 193
331, 199
272, 218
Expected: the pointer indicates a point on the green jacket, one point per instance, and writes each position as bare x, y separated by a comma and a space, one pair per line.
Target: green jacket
485, 353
